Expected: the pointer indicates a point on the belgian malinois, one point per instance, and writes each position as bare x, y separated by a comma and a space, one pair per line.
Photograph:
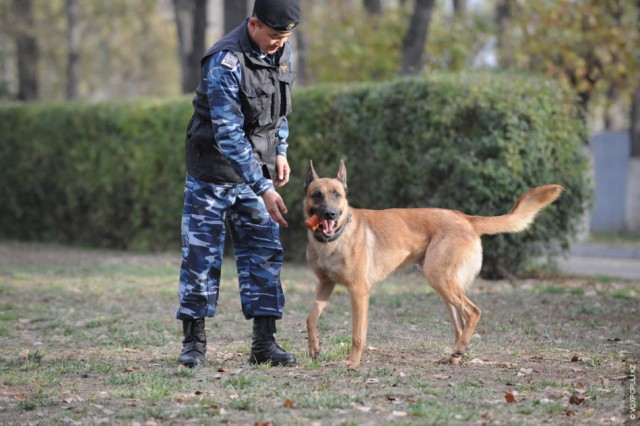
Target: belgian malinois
357, 248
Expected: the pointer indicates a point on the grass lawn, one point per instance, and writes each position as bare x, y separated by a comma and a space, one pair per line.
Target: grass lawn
89, 337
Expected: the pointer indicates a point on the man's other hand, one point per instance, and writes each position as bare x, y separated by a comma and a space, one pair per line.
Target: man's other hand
275, 206
282, 171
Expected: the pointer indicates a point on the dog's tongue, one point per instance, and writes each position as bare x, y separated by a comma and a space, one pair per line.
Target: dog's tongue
328, 226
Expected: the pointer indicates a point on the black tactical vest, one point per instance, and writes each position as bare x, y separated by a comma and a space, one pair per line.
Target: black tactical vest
266, 98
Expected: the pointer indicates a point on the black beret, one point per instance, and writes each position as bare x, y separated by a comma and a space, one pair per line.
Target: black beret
281, 15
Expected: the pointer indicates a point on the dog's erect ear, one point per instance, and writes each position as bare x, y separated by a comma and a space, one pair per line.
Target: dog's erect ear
342, 174
311, 176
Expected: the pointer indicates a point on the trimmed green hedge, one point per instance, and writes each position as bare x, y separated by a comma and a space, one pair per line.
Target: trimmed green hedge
111, 174
106, 175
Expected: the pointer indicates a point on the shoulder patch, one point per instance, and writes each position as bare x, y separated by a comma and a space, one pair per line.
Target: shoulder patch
230, 60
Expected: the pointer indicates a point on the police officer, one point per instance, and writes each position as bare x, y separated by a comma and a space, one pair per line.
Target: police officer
236, 153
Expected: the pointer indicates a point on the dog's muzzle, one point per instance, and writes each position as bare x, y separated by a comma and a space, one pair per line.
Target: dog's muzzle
329, 221
328, 230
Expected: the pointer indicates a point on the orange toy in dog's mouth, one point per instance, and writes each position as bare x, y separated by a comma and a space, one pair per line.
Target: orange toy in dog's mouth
313, 223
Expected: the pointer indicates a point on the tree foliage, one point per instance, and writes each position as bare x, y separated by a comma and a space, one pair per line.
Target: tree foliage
591, 44
348, 47
127, 48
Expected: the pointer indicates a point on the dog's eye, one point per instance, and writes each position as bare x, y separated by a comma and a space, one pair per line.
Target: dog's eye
317, 196
336, 194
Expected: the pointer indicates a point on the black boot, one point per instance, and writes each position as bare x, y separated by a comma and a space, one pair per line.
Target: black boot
194, 345
264, 347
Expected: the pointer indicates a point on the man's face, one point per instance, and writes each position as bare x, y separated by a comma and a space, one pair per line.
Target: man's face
267, 39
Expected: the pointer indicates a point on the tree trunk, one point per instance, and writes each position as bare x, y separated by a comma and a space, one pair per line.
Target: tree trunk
27, 50
301, 63
235, 11
373, 7
191, 21
416, 37
73, 44
503, 15
460, 8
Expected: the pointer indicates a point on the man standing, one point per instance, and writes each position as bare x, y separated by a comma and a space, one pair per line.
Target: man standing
236, 151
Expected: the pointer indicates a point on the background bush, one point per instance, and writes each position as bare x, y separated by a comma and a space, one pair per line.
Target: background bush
111, 174
105, 175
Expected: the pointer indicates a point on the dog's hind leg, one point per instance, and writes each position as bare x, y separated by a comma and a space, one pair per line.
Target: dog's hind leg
450, 267
462, 308
456, 321
323, 293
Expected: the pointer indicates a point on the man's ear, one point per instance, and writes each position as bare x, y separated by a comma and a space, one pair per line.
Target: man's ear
342, 174
311, 176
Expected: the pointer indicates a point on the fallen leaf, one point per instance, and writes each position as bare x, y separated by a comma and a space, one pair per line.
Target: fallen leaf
288, 404
507, 365
581, 358
569, 412
524, 372
394, 400
441, 376
372, 381
181, 399
510, 398
575, 400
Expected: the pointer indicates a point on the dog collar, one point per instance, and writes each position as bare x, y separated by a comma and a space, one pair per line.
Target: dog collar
336, 235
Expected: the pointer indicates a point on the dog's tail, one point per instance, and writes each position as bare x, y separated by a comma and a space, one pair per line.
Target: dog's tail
522, 213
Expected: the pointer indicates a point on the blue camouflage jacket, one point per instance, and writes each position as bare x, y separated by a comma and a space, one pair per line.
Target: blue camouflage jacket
241, 104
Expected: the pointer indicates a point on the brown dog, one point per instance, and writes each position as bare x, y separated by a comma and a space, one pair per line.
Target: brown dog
357, 248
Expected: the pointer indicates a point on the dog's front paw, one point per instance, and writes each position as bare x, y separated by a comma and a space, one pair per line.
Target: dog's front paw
314, 347
352, 363
451, 359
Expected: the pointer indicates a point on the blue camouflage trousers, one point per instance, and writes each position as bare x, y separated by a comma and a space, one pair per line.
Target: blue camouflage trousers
256, 242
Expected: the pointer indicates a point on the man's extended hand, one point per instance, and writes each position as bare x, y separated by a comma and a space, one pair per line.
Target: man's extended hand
275, 206
282, 171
